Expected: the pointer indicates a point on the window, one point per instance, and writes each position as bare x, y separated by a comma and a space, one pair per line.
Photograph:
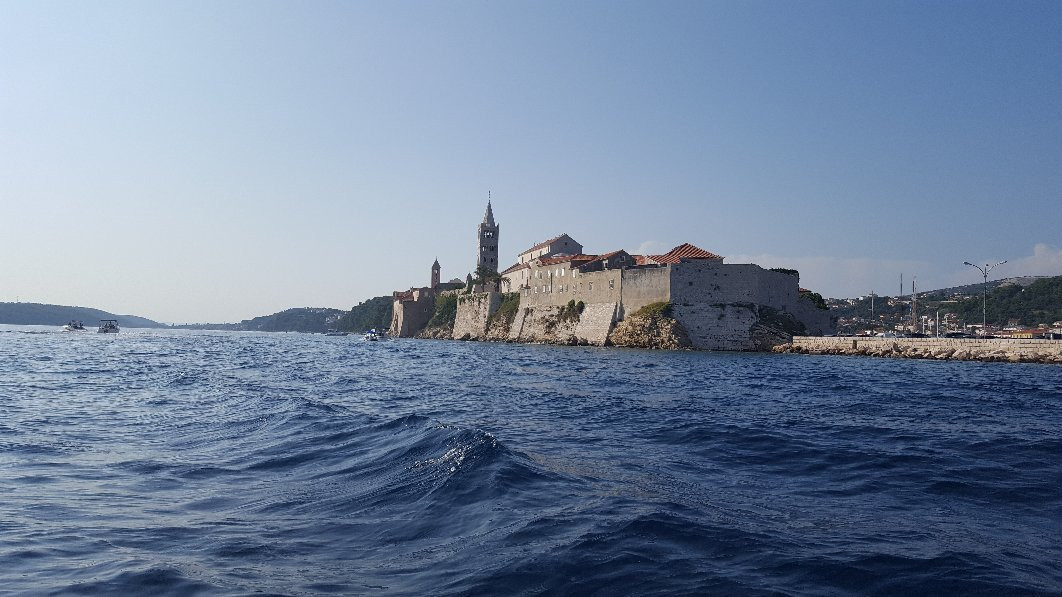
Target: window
589, 285
611, 284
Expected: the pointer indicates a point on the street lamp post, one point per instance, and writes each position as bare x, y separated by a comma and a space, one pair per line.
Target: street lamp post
984, 304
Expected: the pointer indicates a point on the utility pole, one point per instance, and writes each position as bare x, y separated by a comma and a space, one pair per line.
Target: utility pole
984, 304
914, 306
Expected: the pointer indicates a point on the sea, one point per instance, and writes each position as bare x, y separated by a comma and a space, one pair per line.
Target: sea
174, 462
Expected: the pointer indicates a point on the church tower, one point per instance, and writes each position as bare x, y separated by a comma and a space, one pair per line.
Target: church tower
435, 271
488, 242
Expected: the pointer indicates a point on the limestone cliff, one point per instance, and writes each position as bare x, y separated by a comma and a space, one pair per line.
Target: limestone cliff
442, 332
651, 330
652, 326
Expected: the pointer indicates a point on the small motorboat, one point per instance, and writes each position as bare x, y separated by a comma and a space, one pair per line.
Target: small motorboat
372, 335
108, 326
74, 326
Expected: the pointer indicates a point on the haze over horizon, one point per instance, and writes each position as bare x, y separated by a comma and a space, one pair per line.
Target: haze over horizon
217, 162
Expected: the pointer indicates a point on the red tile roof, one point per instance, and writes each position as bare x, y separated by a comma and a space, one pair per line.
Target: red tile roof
683, 251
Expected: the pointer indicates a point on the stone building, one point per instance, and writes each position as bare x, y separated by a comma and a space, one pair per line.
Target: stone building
517, 274
414, 307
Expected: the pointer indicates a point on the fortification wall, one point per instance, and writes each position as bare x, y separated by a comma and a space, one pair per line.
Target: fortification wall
718, 326
641, 287
545, 324
719, 284
595, 323
592, 287
473, 311
410, 316
714, 282
631, 288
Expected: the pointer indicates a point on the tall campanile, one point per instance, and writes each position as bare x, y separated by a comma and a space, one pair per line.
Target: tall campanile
488, 242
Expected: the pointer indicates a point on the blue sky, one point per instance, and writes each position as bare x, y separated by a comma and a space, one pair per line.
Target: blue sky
195, 162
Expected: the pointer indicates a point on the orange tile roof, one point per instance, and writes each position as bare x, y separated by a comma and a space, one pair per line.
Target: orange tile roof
683, 251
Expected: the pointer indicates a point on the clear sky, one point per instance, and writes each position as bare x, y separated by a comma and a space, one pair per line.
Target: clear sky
216, 161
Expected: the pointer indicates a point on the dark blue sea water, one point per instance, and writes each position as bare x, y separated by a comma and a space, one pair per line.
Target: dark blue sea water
163, 462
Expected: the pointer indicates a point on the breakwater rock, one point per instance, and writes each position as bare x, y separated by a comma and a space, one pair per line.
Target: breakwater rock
436, 333
996, 350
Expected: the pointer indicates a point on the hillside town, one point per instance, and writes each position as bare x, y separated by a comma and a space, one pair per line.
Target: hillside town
948, 313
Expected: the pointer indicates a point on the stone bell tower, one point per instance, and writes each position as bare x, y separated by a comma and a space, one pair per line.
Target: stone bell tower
435, 271
487, 234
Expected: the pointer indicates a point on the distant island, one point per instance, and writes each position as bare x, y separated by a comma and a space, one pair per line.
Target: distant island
42, 314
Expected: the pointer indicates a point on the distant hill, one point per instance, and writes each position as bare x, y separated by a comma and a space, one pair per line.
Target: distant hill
978, 288
303, 319
374, 313
1032, 300
298, 319
41, 314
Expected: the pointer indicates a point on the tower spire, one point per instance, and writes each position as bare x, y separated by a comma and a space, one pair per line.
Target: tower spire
488, 216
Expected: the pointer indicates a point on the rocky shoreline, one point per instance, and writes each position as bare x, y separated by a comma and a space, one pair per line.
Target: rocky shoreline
987, 353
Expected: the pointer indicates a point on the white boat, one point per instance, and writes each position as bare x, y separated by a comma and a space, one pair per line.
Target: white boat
108, 326
372, 335
74, 326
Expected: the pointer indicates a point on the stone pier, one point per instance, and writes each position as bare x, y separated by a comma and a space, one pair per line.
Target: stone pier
958, 349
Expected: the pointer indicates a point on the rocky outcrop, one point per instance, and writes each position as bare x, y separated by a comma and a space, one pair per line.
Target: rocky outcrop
650, 331
436, 333
973, 350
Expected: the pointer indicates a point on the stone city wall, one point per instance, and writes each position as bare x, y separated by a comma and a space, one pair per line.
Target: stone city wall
545, 324
717, 327
643, 286
473, 312
411, 315
716, 284
633, 288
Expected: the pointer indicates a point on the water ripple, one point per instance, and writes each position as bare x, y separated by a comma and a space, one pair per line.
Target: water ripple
167, 462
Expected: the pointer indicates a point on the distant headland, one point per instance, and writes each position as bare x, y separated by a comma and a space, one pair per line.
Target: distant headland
43, 314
